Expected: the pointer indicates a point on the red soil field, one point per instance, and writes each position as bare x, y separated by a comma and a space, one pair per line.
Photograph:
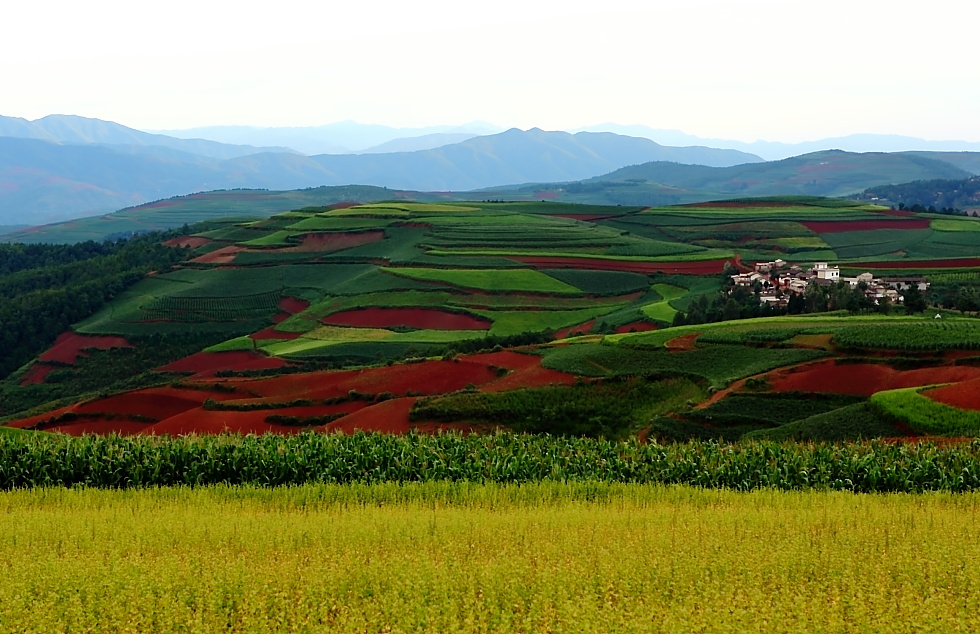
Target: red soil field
525, 371
386, 417
534, 376
317, 242
272, 333
102, 427
636, 326
203, 364
36, 374
199, 421
315, 385
428, 318
923, 264
30, 421
505, 359
700, 267
429, 377
224, 255
157, 403
683, 343
191, 242
293, 305
840, 226
69, 345
964, 395
581, 329
862, 379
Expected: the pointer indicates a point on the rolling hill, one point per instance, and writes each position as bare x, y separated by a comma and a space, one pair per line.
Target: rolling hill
373, 316
828, 173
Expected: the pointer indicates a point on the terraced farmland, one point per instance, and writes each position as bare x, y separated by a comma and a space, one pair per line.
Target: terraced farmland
383, 286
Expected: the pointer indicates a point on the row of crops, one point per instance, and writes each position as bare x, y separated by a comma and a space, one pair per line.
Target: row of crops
114, 462
194, 309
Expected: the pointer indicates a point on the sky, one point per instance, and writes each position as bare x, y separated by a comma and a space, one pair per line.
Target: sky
777, 70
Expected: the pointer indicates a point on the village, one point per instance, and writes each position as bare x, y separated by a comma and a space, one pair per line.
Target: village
778, 280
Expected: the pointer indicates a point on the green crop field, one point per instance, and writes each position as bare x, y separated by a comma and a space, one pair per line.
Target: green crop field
718, 365
661, 310
925, 415
513, 322
855, 422
955, 225
506, 280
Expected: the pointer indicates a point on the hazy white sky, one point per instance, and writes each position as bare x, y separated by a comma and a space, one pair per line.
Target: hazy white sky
787, 70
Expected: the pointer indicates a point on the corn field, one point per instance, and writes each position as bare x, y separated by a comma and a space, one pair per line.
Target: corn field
42, 460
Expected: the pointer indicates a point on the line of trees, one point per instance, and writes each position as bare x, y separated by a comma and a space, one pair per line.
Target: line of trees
45, 288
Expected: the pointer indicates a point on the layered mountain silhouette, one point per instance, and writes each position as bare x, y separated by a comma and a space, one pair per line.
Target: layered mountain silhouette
58, 177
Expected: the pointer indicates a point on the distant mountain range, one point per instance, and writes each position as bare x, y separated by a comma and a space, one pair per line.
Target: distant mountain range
828, 173
85, 167
62, 167
344, 137
73, 130
774, 150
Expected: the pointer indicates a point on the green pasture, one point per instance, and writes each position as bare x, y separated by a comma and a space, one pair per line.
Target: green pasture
278, 239
490, 280
601, 282
925, 415
746, 329
661, 310
327, 223
380, 211
324, 340
852, 423
971, 225
516, 301
734, 231
719, 365
512, 322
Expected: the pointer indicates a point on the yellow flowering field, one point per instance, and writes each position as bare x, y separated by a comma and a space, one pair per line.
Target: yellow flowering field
444, 557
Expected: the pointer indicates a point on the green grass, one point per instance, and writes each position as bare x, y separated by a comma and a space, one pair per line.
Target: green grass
855, 422
717, 365
507, 322
612, 409
955, 225
925, 415
238, 343
769, 409
662, 310
277, 239
601, 282
500, 280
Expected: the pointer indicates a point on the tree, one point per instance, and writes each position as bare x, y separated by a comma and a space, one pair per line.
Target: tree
914, 301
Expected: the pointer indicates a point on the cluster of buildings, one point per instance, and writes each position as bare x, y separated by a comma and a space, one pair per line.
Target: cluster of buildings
778, 280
